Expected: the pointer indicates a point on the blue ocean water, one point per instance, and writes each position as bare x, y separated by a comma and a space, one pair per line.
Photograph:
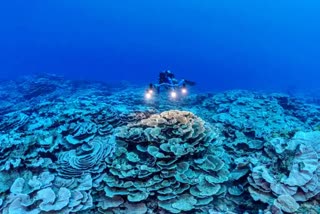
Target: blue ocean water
219, 44
71, 142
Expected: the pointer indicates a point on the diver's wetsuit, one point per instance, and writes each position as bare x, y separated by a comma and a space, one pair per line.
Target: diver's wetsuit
165, 77
167, 80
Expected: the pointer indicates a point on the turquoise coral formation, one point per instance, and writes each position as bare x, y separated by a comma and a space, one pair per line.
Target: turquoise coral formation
75, 147
168, 160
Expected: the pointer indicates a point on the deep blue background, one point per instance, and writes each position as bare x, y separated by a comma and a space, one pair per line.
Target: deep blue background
265, 44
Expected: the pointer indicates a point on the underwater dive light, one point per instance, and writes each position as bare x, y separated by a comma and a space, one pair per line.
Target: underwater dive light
148, 96
184, 89
173, 94
149, 92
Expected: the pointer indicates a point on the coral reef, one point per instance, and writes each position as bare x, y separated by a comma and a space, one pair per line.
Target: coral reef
83, 147
290, 175
168, 161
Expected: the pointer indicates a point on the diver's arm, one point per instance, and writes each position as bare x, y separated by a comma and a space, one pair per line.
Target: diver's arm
167, 85
176, 85
181, 83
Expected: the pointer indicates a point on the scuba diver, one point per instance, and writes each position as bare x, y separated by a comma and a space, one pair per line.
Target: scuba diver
168, 81
167, 77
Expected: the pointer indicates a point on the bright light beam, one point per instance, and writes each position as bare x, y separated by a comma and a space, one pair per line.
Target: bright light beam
148, 95
173, 94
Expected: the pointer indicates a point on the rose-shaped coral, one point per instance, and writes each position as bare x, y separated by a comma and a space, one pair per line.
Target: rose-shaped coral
292, 173
168, 159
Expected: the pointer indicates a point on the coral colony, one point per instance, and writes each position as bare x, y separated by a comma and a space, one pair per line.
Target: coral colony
79, 147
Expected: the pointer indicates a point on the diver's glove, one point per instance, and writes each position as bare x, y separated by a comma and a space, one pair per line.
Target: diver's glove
188, 82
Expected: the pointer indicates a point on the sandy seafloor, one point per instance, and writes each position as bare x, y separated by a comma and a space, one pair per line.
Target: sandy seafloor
88, 147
